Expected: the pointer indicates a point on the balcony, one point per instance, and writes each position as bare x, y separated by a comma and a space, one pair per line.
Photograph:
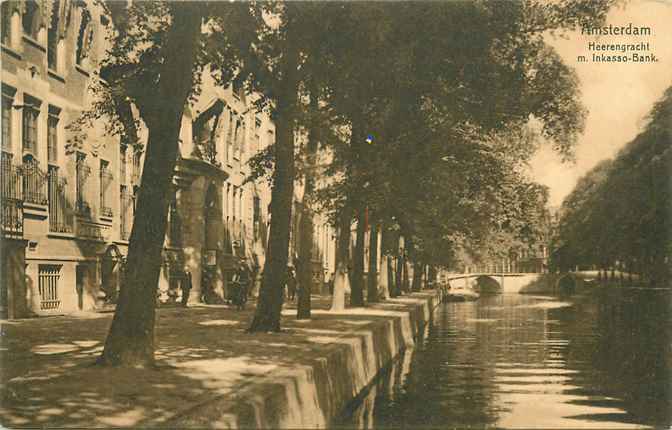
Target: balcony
34, 183
83, 172
11, 212
93, 231
60, 209
11, 217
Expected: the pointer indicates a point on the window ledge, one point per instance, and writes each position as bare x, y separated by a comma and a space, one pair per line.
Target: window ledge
34, 43
59, 235
53, 74
121, 241
104, 219
11, 51
35, 209
82, 70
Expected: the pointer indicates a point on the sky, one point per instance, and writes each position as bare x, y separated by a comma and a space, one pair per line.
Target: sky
618, 96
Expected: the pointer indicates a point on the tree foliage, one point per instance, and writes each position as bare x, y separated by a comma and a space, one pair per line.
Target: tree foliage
618, 215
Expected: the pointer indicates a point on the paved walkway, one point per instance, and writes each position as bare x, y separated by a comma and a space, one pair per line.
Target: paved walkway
203, 352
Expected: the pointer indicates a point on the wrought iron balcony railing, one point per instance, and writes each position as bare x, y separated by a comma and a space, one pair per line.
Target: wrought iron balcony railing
34, 183
11, 211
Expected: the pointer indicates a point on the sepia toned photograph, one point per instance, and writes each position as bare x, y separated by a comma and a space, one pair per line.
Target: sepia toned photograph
340, 214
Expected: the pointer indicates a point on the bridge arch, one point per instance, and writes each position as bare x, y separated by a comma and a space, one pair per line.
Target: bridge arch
485, 284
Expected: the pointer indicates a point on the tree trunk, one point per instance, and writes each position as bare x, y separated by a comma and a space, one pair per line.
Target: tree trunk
269, 307
357, 294
304, 271
405, 284
398, 276
385, 277
341, 281
130, 341
372, 280
417, 276
391, 278
306, 223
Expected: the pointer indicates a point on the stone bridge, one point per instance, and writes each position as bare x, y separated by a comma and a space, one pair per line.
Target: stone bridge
525, 283
494, 282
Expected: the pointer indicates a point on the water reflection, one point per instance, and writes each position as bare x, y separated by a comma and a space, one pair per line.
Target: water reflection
596, 361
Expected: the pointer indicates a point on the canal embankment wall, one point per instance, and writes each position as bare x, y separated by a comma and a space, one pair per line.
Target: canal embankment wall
314, 392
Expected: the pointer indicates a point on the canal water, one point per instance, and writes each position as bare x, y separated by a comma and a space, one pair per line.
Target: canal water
601, 360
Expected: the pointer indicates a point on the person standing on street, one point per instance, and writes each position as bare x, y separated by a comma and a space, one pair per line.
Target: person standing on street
186, 288
291, 284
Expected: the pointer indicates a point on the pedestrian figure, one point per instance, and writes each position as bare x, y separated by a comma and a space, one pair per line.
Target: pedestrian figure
186, 288
330, 283
243, 286
291, 284
234, 290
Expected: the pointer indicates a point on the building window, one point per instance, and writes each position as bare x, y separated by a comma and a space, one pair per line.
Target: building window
230, 136
31, 19
240, 204
175, 224
49, 276
257, 135
53, 37
227, 232
52, 135
126, 207
83, 171
122, 164
233, 202
6, 25
31, 114
84, 38
7, 102
105, 189
256, 216
240, 139
135, 176
206, 132
60, 213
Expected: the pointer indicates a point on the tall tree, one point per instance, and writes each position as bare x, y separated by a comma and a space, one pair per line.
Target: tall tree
278, 64
130, 341
306, 230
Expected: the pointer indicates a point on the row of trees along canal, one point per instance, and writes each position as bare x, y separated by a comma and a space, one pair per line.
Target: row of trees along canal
456, 95
619, 214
